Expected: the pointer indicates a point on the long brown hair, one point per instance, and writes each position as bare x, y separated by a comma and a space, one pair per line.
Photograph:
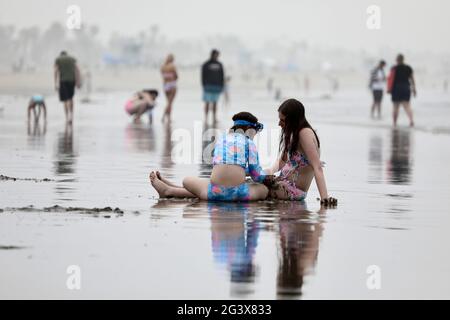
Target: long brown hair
295, 121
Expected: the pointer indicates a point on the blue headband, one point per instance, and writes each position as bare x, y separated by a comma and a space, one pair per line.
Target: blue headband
258, 126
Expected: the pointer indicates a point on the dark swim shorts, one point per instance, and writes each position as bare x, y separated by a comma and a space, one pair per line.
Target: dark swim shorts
377, 95
401, 92
66, 90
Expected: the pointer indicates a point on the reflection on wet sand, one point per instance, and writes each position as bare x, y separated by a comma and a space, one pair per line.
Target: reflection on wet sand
234, 238
376, 158
236, 227
299, 234
64, 163
36, 131
166, 158
140, 137
400, 165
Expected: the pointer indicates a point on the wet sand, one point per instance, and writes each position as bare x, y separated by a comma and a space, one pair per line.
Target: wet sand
92, 206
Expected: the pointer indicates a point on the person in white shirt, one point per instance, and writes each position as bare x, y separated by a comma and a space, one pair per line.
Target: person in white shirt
377, 84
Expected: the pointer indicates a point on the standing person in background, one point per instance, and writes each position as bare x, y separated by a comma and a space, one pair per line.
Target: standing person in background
170, 76
376, 84
400, 84
67, 76
226, 91
213, 82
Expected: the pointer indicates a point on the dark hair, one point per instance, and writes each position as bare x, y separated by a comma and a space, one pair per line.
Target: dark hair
382, 62
214, 52
294, 111
63, 53
151, 91
247, 116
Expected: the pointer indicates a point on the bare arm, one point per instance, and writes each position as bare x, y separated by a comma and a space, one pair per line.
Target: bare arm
56, 76
413, 85
308, 143
77, 77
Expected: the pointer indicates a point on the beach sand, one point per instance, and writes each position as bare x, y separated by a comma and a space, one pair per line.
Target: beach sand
392, 187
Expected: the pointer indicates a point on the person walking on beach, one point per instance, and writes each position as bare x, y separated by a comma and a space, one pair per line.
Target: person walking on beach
376, 84
170, 76
213, 82
400, 84
67, 76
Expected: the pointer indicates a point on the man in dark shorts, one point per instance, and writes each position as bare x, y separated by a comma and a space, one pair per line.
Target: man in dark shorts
213, 82
402, 85
67, 76
377, 84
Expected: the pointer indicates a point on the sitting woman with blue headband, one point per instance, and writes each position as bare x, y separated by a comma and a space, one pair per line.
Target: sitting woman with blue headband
235, 156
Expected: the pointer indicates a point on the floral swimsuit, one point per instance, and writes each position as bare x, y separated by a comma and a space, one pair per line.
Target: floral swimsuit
236, 149
289, 175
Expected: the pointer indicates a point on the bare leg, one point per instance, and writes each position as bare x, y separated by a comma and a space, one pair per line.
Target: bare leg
214, 107
30, 107
158, 174
170, 96
198, 186
379, 110
372, 110
409, 112
71, 110
66, 109
206, 110
166, 191
395, 113
258, 192
167, 106
141, 108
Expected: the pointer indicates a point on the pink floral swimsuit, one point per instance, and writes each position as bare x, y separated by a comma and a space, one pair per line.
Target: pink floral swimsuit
289, 175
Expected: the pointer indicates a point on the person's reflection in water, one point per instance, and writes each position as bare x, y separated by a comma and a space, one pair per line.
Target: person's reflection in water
376, 158
140, 137
36, 132
234, 238
166, 159
65, 161
299, 234
399, 165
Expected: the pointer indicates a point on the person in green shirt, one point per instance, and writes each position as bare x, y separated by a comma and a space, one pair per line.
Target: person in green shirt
67, 76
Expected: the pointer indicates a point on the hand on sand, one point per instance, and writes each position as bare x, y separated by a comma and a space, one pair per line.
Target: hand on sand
269, 180
328, 202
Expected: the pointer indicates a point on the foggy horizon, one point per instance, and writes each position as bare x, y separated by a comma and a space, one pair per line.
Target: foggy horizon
326, 24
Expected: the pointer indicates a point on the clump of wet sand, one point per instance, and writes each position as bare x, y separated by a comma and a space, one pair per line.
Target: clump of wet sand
57, 208
6, 178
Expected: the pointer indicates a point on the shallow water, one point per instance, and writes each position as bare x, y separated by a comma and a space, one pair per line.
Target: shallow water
392, 187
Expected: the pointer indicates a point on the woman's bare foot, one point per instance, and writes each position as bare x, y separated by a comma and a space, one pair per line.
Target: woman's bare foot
158, 174
159, 186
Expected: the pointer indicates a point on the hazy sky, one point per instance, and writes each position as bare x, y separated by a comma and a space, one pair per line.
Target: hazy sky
405, 25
